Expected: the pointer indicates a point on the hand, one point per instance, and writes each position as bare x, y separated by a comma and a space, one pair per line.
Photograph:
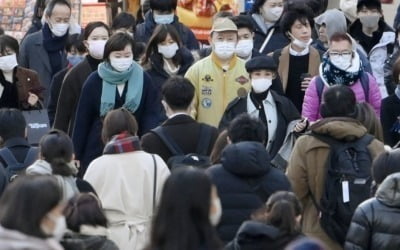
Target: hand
301, 126
32, 99
305, 83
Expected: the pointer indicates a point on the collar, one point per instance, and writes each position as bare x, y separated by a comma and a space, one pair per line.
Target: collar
178, 113
301, 53
217, 61
250, 106
16, 141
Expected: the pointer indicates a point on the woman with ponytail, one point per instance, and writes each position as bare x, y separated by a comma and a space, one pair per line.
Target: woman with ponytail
56, 157
273, 226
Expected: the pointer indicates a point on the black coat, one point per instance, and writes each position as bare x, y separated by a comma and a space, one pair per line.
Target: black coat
55, 89
376, 222
390, 110
286, 112
254, 235
244, 181
184, 130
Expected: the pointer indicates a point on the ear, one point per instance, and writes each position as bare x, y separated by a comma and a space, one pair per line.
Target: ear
165, 105
210, 39
252, 35
274, 76
85, 42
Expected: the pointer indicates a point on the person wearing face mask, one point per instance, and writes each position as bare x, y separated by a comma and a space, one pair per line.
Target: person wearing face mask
19, 87
163, 12
245, 46
273, 227
189, 210
118, 82
32, 219
268, 36
375, 36
95, 37
298, 62
44, 50
274, 110
165, 55
220, 77
341, 65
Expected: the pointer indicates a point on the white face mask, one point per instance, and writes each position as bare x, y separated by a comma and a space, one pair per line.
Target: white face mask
60, 227
349, 8
244, 48
370, 21
164, 19
8, 63
300, 43
168, 51
216, 217
224, 50
96, 48
121, 64
59, 29
343, 62
261, 84
272, 14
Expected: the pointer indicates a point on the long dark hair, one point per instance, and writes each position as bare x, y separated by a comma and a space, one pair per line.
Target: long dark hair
26, 201
159, 35
182, 221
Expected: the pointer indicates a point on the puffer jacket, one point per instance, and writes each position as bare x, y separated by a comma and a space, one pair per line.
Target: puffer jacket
312, 102
376, 222
306, 170
244, 180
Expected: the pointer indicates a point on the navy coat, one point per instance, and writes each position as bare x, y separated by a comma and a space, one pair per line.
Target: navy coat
244, 180
86, 135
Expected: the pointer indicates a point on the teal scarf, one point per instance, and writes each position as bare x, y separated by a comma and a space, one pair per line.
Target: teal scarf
111, 78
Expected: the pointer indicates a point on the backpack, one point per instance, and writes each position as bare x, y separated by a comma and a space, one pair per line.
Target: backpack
198, 159
347, 184
364, 83
14, 168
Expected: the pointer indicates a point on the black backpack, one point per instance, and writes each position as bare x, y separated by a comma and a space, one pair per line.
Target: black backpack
14, 168
347, 184
196, 159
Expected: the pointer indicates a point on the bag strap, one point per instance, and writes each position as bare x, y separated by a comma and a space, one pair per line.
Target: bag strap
168, 141
320, 87
204, 141
365, 85
8, 157
31, 156
271, 32
154, 182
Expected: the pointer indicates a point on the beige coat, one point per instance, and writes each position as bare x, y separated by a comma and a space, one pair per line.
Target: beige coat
306, 168
124, 183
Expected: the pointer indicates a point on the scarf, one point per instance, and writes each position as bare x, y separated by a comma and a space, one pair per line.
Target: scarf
122, 143
54, 47
112, 78
333, 75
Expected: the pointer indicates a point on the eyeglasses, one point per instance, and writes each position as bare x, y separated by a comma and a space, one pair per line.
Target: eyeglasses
343, 53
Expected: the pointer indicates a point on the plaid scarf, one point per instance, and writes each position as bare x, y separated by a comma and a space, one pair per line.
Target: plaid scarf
122, 143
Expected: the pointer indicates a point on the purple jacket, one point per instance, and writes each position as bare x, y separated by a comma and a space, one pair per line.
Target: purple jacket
312, 103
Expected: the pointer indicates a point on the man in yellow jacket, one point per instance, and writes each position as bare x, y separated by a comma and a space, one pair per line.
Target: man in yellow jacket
220, 77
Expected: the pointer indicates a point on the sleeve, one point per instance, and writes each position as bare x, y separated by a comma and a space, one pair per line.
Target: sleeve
65, 104
192, 75
387, 120
297, 171
55, 87
374, 95
358, 235
311, 102
94, 176
23, 59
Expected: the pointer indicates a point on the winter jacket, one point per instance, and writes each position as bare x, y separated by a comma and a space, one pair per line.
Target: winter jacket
253, 235
376, 222
286, 112
15, 240
159, 75
312, 102
306, 169
390, 111
216, 87
55, 89
277, 41
88, 124
390, 83
145, 30
125, 184
244, 180
379, 53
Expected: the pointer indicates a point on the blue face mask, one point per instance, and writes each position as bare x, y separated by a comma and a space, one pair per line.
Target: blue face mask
75, 59
163, 19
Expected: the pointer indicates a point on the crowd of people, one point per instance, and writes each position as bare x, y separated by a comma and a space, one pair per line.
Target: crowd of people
279, 132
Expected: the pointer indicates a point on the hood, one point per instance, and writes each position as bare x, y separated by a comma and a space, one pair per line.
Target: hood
39, 167
254, 230
340, 128
79, 241
12, 239
389, 191
187, 60
383, 36
334, 20
247, 159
